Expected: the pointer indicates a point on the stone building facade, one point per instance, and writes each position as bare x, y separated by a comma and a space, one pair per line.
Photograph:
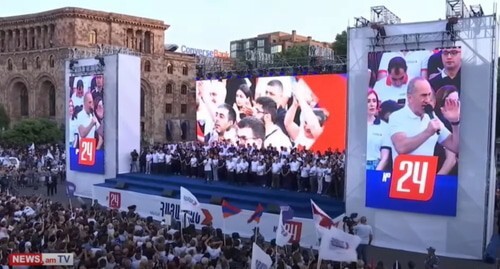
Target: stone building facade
34, 48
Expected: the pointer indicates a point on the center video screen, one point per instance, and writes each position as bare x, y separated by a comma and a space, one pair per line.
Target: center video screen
293, 112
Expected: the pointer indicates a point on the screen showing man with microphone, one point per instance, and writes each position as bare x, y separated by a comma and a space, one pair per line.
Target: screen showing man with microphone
419, 144
414, 130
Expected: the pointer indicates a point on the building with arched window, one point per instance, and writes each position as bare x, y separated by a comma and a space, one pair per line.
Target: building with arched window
34, 48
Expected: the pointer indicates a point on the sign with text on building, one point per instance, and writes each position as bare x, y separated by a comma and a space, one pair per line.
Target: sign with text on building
204, 52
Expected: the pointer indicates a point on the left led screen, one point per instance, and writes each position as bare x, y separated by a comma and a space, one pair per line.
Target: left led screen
86, 123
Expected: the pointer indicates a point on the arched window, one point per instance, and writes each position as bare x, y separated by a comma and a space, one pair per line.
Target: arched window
185, 70
52, 101
24, 64
170, 68
9, 65
38, 63
24, 101
52, 61
184, 89
169, 89
142, 102
93, 37
147, 66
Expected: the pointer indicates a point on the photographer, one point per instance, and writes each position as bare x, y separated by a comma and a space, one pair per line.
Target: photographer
350, 222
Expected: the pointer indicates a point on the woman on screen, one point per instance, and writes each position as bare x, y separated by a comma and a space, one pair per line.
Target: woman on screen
243, 103
447, 162
377, 155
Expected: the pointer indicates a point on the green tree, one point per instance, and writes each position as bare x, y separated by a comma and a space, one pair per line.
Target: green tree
4, 118
38, 131
296, 55
340, 44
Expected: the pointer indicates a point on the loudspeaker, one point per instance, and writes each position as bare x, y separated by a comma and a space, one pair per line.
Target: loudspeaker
272, 208
169, 193
121, 185
216, 200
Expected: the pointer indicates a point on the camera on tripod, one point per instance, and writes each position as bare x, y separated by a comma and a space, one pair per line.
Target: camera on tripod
350, 222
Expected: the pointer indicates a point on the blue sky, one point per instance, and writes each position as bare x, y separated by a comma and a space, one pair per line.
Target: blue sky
212, 24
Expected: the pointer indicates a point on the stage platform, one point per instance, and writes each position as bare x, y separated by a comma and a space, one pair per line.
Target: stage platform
244, 197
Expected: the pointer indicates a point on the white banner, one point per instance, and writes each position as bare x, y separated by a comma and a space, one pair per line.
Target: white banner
189, 201
260, 259
301, 229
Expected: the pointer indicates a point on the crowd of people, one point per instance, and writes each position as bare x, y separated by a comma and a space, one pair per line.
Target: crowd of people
108, 239
32, 167
290, 169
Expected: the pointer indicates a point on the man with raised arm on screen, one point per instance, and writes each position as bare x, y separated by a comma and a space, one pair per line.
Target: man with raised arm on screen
87, 122
414, 132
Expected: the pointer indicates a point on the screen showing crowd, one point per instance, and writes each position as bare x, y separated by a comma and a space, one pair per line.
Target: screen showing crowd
413, 129
86, 123
305, 112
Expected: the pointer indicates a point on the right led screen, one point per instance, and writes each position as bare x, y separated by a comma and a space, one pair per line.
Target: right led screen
413, 120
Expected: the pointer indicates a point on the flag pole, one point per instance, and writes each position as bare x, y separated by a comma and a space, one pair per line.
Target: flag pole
318, 266
224, 230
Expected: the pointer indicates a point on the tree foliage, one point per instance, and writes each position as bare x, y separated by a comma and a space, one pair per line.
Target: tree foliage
340, 44
296, 55
38, 131
4, 118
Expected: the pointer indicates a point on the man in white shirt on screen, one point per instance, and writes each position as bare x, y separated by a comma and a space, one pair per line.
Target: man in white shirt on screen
266, 110
87, 123
78, 96
394, 86
416, 60
413, 132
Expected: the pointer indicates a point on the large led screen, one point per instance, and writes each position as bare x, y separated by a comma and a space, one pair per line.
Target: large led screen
292, 112
413, 119
86, 123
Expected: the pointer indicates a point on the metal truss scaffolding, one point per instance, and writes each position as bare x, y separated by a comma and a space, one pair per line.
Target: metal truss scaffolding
413, 41
274, 67
381, 14
457, 9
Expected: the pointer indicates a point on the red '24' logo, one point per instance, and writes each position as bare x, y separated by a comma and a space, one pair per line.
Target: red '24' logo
115, 199
86, 155
413, 177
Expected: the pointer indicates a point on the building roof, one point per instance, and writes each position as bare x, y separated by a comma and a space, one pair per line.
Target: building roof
84, 14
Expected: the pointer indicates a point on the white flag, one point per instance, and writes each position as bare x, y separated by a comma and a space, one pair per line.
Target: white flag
189, 201
49, 155
32, 147
260, 259
283, 236
337, 245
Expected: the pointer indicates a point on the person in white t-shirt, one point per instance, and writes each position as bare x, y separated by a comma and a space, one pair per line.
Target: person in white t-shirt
304, 177
266, 110
276, 171
417, 62
394, 86
207, 167
87, 123
413, 132
149, 161
365, 232
78, 96
378, 147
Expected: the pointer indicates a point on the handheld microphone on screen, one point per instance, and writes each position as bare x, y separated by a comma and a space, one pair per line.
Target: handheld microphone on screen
430, 111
